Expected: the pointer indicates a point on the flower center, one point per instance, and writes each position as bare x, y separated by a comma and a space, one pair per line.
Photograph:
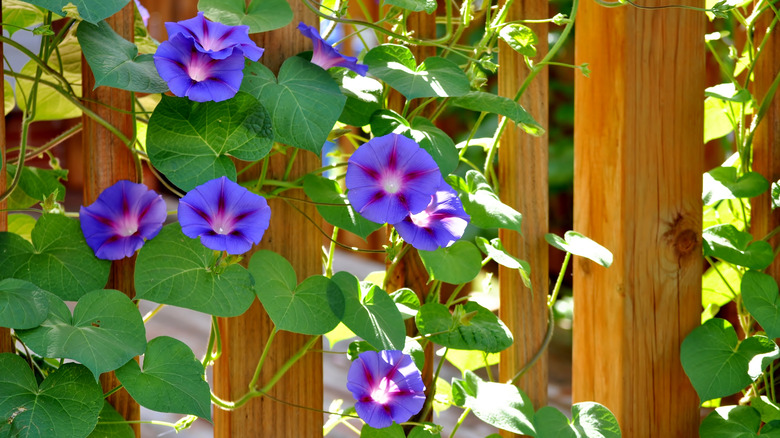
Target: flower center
198, 69
392, 184
222, 224
127, 226
384, 391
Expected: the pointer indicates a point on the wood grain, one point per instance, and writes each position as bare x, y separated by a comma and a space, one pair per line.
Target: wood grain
107, 160
638, 157
522, 171
294, 237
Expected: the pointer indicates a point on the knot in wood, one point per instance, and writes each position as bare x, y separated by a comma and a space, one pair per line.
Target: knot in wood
685, 242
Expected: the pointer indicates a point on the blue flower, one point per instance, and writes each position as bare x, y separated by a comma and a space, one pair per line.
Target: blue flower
388, 387
226, 216
326, 56
439, 225
217, 40
391, 177
122, 218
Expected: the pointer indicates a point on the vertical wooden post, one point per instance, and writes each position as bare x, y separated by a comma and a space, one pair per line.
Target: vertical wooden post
522, 171
291, 235
766, 155
638, 160
6, 342
107, 160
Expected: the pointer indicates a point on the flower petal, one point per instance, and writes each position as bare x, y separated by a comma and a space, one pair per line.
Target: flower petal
325, 56
214, 39
441, 224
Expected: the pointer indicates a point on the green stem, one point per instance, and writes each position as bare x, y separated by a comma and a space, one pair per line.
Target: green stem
545, 343
106, 395
460, 421
287, 365
559, 281
331, 252
256, 377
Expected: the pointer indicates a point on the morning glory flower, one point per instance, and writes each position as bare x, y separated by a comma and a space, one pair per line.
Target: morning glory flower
439, 225
122, 218
143, 11
388, 387
217, 40
326, 56
226, 216
391, 177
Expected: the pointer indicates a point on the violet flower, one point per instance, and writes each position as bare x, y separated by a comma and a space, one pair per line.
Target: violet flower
124, 215
143, 11
439, 225
326, 56
203, 60
391, 177
388, 387
226, 216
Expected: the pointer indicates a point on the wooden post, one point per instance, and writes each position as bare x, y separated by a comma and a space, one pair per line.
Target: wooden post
107, 160
638, 160
6, 342
243, 338
522, 171
766, 156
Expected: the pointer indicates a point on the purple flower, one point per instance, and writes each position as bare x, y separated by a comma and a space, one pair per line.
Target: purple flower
143, 11
125, 214
217, 40
203, 60
391, 177
439, 225
387, 386
226, 216
326, 56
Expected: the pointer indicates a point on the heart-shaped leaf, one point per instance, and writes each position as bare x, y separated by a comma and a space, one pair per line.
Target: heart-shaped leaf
520, 38
23, 305
482, 203
18, 15
589, 420
718, 364
327, 191
495, 250
304, 102
729, 244
104, 332
174, 269
407, 301
193, 142
171, 379
364, 96
58, 260
393, 431
493, 103
259, 15
435, 77
369, 312
457, 264
89, 10
722, 183
299, 308
470, 360
469, 327
65, 404
582, 246
502, 405
761, 298
115, 62
111, 424
731, 421
35, 185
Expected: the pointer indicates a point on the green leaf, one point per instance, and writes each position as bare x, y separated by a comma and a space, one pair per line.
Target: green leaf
88, 10
429, 6
589, 420
582, 246
104, 332
502, 405
115, 62
58, 260
456, 264
761, 298
470, 360
369, 312
775, 195
35, 185
722, 183
407, 302
174, 269
520, 38
259, 15
769, 410
19, 15
731, 421
327, 191
304, 102
22, 304
442, 400
65, 404
428, 430
495, 250
716, 121
492, 103
713, 290
338, 334
482, 203
298, 308
364, 97
111, 424
393, 431
729, 244
22, 225
469, 327
9, 102
717, 364
171, 379
434, 77
192, 142
728, 92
